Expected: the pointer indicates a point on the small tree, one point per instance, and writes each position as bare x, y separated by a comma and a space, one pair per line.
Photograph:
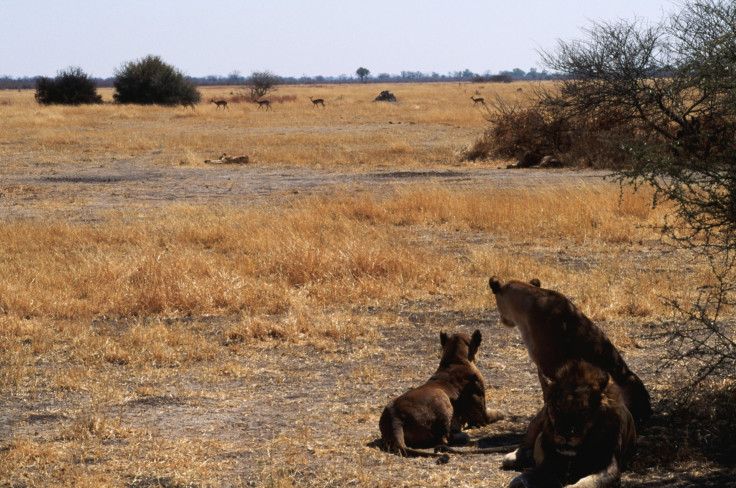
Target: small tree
261, 83
363, 73
70, 87
667, 95
150, 81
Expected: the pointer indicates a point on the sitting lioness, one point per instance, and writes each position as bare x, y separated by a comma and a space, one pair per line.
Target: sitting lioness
453, 397
555, 331
586, 433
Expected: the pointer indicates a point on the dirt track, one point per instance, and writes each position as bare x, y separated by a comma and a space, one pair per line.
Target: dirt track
25, 191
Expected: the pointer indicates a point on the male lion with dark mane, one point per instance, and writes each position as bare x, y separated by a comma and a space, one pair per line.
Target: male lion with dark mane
586, 433
554, 332
454, 396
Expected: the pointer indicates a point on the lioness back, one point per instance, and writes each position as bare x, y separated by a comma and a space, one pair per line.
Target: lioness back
555, 331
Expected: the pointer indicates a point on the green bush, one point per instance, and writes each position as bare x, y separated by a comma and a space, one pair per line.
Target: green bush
150, 81
70, 87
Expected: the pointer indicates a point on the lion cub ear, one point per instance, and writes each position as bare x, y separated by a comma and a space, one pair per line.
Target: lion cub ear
443, 338
474, 345
495, 284
535, 282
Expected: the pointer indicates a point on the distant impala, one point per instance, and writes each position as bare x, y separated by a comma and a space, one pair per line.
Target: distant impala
477, 100
220, 103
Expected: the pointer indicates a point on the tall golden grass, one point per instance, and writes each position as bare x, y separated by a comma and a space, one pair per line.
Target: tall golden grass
279, 267
195, 260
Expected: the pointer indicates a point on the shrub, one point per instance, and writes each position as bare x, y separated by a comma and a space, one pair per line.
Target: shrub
150, 81
70, 87
261, 83
548, 128
503, 78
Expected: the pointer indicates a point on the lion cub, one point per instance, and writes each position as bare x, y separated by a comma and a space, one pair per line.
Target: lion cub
453, 397
586, 431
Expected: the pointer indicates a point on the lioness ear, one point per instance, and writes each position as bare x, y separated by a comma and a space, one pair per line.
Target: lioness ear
443, 338
546, 381
474, 345
536, 282
495, 284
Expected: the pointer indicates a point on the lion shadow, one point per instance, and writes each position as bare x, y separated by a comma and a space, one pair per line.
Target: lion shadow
510, 440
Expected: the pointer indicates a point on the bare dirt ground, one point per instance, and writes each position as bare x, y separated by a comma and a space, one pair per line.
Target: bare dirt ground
295, 415
28, 189
308, 417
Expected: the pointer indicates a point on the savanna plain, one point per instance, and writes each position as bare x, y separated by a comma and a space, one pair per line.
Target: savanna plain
166, 322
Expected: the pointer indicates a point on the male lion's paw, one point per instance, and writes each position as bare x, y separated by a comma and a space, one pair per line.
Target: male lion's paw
519, 459
587, 482
509, 460
459, 438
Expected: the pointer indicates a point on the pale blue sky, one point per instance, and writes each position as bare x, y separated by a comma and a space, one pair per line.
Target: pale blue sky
296, 37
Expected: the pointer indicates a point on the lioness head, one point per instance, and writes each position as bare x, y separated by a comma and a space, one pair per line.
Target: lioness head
574, 399
507, 300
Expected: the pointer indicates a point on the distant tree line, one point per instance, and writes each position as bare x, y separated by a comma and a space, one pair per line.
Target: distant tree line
151, 81
403, 77
235, 78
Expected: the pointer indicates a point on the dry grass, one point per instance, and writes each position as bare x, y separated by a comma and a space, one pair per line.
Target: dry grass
235, 341
424, 127
326, 251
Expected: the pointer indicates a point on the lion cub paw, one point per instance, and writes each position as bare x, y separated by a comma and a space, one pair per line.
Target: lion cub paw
494, 415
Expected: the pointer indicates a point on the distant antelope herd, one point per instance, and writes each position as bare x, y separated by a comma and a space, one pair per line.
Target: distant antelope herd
315, 102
